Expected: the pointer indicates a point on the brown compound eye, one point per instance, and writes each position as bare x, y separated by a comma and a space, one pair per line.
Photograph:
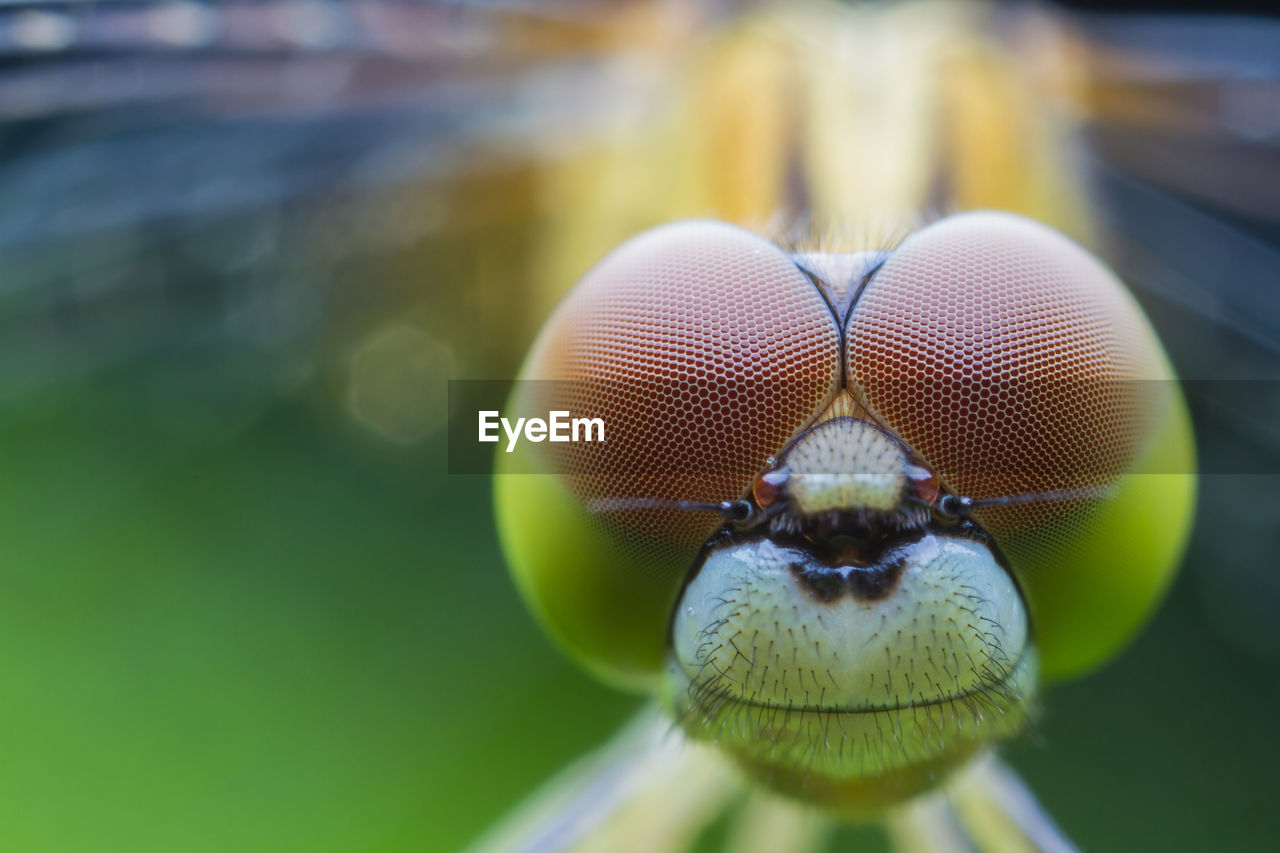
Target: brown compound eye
1012, 362
1007, 357
703, 349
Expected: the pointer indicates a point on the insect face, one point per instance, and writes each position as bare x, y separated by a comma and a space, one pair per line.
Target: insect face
857, 680
848, 639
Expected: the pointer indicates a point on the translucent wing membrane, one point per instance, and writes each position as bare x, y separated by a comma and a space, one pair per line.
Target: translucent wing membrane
1159, 93
230, 175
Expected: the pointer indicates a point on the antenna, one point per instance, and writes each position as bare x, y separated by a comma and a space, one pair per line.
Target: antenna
961, 505
729, 510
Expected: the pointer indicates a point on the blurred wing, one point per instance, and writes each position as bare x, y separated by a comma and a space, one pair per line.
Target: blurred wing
1179, 120
180, 175
259, 189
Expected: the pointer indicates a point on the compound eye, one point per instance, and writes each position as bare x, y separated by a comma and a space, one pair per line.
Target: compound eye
1012, 362
703, 349
1008, 358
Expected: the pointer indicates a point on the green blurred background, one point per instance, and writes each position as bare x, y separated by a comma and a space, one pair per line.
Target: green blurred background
243, 604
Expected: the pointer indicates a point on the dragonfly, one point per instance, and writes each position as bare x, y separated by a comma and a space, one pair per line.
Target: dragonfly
262, 156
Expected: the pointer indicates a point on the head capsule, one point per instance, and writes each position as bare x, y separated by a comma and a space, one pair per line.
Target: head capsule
918, 489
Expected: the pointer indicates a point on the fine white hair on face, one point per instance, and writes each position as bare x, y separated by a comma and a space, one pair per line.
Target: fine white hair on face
787, 662
846, 464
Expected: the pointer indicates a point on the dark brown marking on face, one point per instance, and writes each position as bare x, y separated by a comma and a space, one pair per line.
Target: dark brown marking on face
865, 583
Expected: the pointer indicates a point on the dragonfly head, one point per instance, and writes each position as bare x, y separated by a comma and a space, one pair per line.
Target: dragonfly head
849, 645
